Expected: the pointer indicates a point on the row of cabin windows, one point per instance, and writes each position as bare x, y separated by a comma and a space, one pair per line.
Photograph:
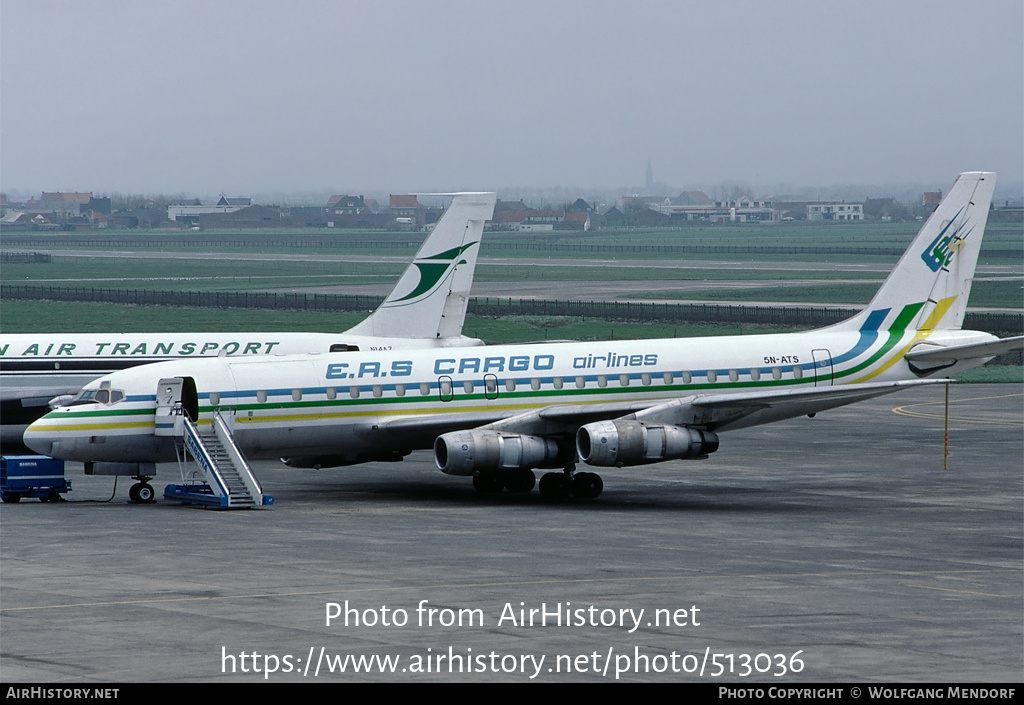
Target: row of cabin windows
491, 384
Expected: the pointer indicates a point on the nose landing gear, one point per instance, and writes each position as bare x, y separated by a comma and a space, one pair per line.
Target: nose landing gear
142, 493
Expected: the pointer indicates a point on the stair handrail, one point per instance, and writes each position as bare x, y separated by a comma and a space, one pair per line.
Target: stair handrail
194, 444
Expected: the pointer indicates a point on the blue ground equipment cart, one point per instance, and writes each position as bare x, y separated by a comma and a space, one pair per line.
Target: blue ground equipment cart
32, 476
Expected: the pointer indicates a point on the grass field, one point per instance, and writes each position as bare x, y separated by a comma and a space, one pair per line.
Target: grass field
75, 317
268, 275
986, 294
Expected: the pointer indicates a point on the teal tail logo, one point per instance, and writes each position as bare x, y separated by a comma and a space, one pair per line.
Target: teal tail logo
433, 270
940, 251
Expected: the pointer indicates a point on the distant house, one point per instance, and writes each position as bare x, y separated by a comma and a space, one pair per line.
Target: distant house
60, 202
19, 220
346, 205
352, 212
692, 198
239, 202
575, 221
97, 206
517, 206
405, 209
509, 219
614, 218
886, 209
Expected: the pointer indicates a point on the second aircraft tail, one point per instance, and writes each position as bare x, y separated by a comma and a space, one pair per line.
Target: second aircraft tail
430, 299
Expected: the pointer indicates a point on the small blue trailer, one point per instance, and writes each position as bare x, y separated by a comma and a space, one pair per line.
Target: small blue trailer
32, 476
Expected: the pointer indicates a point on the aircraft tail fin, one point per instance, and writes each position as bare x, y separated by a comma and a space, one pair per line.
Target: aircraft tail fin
431, 297
929, 287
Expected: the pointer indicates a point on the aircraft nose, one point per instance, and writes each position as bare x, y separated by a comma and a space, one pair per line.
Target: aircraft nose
41, 435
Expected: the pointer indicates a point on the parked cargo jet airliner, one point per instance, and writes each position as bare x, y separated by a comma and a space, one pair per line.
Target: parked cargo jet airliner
496, 413
427, 308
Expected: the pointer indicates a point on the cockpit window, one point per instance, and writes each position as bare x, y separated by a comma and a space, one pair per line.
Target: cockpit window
101, 396
86, 396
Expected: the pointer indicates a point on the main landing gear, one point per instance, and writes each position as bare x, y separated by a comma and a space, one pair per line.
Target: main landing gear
553, 485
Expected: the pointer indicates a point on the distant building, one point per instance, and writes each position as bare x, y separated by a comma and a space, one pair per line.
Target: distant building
579, 206
190, 213
353, 212
405, 210
255, 216
614, 218
347, 205
59, 202
517, 206
885, 209
240, 202
19, 220
692, 198
575, 221
835, 211
742, 210
98, 205
648, 218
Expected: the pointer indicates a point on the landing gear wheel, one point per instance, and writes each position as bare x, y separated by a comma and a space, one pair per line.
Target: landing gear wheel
556, 485
488, 482
587, 485
145, 493
142, 493
520, 481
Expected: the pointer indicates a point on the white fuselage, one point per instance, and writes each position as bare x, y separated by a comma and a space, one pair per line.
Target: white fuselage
362, 403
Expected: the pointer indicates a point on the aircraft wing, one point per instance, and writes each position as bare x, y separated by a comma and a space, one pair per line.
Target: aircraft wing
714, 412
931, 354
38, 395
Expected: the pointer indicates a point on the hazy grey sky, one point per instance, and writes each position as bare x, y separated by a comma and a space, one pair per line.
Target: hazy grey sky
252, 96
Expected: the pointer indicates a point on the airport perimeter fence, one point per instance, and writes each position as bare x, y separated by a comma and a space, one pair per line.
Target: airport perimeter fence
812, 316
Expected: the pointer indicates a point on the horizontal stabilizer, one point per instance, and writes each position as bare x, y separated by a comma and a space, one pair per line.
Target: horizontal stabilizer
954, 353
725, 412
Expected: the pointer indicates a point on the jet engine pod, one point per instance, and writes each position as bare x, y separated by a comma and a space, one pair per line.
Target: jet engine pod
619, 443
467, 452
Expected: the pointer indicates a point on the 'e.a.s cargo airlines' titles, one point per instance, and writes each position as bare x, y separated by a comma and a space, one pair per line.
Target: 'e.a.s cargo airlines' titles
496, 413
427, 308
